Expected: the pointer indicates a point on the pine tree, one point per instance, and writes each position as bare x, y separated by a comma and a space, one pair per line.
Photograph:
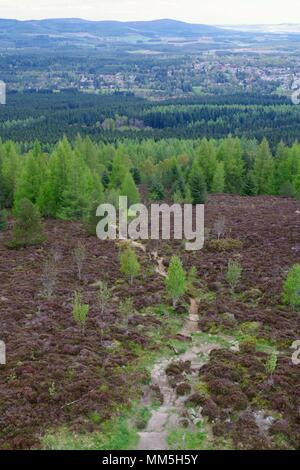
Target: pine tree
218, 182
28, 229
130, 190
176, 283
197, 185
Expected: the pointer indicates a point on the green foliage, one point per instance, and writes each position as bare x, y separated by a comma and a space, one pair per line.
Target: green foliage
271, 363
231, 154
291, 287
197, 185
218, 182
126, 309
130, 190
80, 311
129, 264
104, 296
28, 229
233, 274
224, 244
176, 283
263, 170
157, 192
118, 172
3, 219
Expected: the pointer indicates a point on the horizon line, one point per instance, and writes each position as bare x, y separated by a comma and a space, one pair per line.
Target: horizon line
144, 20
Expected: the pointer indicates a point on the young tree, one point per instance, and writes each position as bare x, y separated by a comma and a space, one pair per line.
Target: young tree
291, 287
130, 266
80, 311
49, 277
263, 170
176, 283
207, 160
233, 275
130, 190
31, 177
230, 153
118, 172
218, 182
79, 258
197, 185
91, 219
28, 229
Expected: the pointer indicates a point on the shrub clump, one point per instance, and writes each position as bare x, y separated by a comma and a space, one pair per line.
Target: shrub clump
291, 287
233, 274
224, 244
80, 311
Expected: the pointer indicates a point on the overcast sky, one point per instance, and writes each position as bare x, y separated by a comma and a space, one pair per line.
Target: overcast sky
197, 11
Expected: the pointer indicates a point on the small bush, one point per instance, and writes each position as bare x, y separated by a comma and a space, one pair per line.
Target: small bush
104, 296
28, 229
126, 309
80, 311
176, 280
219, 227
291, 287
271, 363
225, 244
130, 266
79, 258
49, 277
233, 275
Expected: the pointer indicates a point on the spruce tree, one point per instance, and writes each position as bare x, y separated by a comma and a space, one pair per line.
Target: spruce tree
197, 185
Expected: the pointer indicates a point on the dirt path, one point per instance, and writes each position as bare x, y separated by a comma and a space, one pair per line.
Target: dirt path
168, 415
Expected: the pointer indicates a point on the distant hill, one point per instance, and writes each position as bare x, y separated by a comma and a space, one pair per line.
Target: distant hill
105, 28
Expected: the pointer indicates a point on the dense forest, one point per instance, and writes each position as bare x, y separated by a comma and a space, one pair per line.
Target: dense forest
71, 180
48, 116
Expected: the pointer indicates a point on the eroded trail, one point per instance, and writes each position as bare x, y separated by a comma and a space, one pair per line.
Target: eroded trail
170, 413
